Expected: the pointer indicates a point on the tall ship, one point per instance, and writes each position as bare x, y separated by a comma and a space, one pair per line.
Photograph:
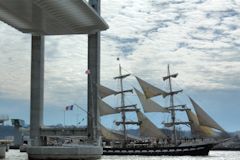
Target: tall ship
152, 140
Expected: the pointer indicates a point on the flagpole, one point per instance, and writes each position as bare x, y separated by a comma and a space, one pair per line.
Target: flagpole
77, 118
64, 117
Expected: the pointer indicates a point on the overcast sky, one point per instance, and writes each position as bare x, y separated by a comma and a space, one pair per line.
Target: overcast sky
200, 39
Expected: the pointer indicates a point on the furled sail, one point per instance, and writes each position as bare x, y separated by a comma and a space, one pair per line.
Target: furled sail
173, 76
104, 91
174, 92
147, 128
106, 109
150, 90
148, 104
203, 118
197, 129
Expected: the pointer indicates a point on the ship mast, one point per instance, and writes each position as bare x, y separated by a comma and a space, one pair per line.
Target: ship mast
172, 107
150, 106
122, 104
125, 108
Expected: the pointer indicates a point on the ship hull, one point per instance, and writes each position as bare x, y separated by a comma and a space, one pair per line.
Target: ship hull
190, 150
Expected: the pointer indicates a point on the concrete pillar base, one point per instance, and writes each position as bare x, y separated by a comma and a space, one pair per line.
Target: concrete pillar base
74, 152
2, 151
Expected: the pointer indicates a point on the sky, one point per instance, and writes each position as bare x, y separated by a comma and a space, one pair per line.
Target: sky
199, 39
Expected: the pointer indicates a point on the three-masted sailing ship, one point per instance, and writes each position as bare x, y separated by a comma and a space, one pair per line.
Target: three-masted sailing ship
152, 140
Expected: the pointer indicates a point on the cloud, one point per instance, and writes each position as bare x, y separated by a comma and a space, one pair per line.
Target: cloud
65, 65
199, 39
15, 63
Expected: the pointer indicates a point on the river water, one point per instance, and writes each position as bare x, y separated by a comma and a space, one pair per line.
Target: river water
213, 155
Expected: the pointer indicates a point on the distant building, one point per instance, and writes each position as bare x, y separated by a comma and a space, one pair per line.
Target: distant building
16, 132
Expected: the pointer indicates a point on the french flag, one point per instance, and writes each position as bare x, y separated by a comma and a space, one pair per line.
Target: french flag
68, 108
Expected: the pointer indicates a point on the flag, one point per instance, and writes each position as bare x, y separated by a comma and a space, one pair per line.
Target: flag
88, 71
67, 108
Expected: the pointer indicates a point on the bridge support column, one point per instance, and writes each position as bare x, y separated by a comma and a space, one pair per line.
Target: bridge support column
37, 89
93, 78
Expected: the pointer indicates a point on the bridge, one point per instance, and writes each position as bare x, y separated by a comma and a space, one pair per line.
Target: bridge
58, 17
63, 131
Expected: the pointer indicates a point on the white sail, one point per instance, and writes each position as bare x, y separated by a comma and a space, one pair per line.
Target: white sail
147, 128
197, 129
148, 104
206, 131
114, 135
106, 109
107, 134
104, 91
150, 90
203, 118
192, 118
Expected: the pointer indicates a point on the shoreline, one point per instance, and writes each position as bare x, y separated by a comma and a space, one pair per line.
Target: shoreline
225, 149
